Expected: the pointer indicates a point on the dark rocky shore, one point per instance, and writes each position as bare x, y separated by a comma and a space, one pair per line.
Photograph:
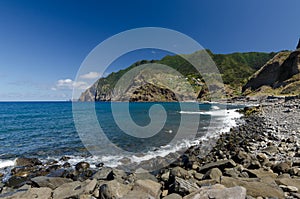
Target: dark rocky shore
258, 159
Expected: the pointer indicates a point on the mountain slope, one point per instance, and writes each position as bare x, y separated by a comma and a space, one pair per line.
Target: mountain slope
235, 68
279, 76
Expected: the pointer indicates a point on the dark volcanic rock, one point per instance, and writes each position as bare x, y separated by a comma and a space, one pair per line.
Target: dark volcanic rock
16, 181
82, 166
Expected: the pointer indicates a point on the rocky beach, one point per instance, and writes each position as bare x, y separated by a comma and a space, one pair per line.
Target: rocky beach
260, 158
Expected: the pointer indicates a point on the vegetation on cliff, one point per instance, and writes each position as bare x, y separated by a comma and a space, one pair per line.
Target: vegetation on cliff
235, 69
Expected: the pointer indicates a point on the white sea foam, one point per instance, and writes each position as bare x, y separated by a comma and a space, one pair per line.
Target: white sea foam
227, 121
196, 112
6, 163
215, 107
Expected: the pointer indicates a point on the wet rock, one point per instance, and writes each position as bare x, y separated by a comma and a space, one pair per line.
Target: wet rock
64, 158
214, 174
66, 165
98, 165
113, 189
23, 171
58, 173
16, 182
82, 166
51, 182
51, 162
27, 161
218, 192
81, 175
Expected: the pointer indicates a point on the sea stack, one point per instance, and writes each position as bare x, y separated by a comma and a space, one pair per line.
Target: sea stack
298, 46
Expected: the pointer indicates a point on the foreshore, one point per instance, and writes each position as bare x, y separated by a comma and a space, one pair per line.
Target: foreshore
260, 158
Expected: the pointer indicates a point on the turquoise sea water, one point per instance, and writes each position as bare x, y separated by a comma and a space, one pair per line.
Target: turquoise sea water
47, 129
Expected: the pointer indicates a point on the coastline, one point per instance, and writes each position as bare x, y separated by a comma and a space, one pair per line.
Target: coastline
258, 158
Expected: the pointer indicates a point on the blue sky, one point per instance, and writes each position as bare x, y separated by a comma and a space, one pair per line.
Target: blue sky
43, 43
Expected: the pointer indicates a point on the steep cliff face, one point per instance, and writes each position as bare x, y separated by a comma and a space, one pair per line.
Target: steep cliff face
89, 94
152, 93
277, 76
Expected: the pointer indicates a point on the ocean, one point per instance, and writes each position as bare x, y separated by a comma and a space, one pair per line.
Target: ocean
47, 130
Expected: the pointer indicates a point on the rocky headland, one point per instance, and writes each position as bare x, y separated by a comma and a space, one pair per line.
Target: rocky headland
260, 158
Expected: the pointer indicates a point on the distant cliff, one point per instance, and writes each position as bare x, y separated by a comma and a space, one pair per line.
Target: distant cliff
235, 69
279, 76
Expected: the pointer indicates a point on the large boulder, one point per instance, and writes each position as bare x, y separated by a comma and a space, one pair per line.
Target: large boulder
288, 182
282, 167
41, 193
51, 182
218, 192
16, 182
82, 166
142, 174
148, 186
185, 186
221, 164
104, 174
180, 172
254, 186
27, 161
113, 189
214, 174
69, 190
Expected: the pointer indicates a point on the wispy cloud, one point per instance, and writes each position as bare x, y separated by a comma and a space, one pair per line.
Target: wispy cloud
90, 75
68, 84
